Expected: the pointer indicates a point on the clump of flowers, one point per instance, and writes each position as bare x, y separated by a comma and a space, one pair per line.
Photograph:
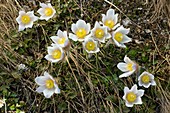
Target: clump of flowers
108, 30
133, 96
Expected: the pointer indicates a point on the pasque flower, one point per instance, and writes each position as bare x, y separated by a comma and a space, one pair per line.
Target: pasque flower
47, 85
25, 20
55, 53
146, 79
129, 67
46, 11
61, 39
81, 29
120, 37
133, 96
110, 19
90, 45
100, 33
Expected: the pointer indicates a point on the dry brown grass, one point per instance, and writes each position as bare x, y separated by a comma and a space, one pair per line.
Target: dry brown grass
161, 10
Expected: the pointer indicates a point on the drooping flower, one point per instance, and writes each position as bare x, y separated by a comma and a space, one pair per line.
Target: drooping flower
26, 20
61, 39
90, 45
46, 11
133, 96
146, 79
110, 19
81, 29
129, 67
55, 53
100, 33
47, 85
120, 36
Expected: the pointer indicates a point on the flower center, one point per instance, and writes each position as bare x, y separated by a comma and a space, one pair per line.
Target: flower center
118, 36
131, 97
49, 84
81, 33
145, 78
56, 54
61, 40
109, 23
48, 11
99, 33
90, 46
130, 66
25, 19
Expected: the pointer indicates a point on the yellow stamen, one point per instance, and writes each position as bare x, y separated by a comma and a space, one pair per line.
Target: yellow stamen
90, 46
25, 19
109, 23
145, 78
130, 66
118, 36
48, 11
99, 33
49, 84
81, 33
61, 40
56, 54
131, 97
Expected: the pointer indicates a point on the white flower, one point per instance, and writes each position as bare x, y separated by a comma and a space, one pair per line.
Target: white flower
133, 96
61, 39
100, 33
46, 12
90, 45
146, 79
47, 85
81, 29
129, 67
25, 20
110, 19
55, 53
119, 36
2, 102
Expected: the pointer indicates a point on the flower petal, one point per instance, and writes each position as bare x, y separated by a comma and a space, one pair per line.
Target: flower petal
126, 39
140, 92
57, 90
81, 24
126, 74
134, 89
60, 33
21, 27
146, 85
122, 66
127, 59
129, 104
48, 93
40, 89
29, 25
138, 100
74, 28
153, 83
41, 80
73, 37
